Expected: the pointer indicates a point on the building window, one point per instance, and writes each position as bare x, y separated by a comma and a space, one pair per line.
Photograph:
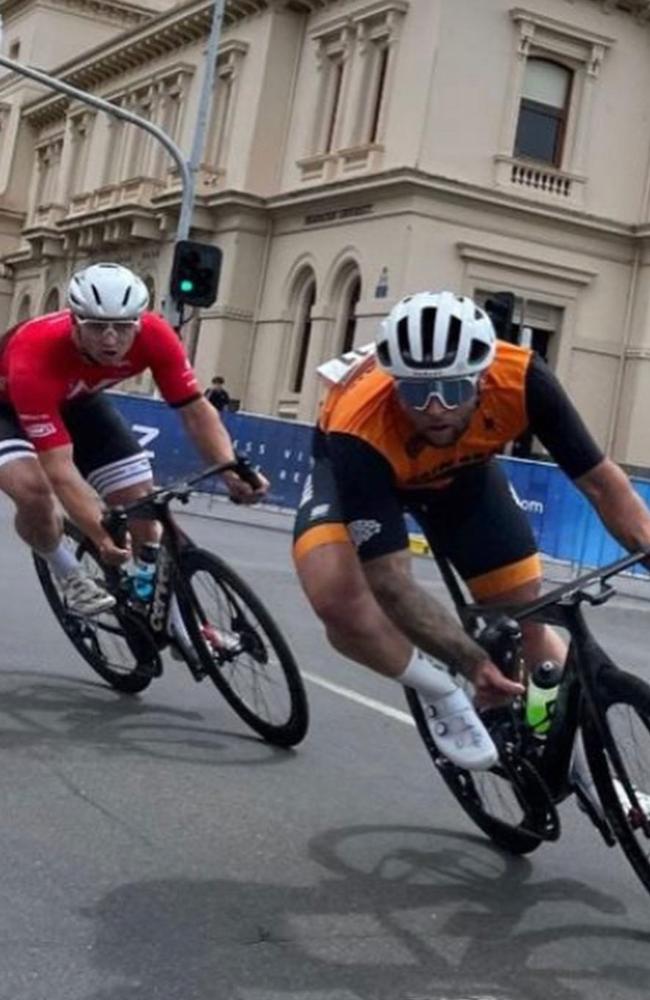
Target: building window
48, 160
348, 321
378, 90
14, 50
24, 310
221, 115
543, 111
302, 334
331, 104
52, 302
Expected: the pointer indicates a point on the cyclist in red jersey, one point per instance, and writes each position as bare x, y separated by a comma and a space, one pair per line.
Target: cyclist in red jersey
414, 427
60, 437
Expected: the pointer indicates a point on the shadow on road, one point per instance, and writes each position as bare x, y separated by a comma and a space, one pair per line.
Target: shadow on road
399, 913
57, 711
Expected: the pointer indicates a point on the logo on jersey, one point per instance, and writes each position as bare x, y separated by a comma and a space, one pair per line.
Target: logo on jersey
320, 510
40, 430
363, 530
81, 387
307, 491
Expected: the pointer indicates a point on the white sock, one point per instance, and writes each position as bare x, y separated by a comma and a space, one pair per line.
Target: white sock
61, 560
175, 623
429, 680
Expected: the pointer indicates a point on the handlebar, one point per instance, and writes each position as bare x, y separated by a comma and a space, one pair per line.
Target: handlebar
115, 521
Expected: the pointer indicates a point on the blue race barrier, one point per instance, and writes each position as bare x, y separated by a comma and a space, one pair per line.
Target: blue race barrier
565, 525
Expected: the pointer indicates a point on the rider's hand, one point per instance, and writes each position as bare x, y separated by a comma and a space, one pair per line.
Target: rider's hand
112, 554
492, 687
241, 492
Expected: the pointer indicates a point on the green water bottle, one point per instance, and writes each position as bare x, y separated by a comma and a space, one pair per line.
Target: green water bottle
541, 696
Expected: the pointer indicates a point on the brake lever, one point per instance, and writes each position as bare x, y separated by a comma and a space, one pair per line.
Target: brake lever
606, 591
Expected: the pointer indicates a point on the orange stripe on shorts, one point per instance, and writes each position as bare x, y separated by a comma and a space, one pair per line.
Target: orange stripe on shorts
320, 534
505, 578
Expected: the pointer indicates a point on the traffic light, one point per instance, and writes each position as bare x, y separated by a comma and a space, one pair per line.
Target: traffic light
500, 308
195, 273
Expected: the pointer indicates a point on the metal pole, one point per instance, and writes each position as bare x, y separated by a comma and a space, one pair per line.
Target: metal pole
205, 104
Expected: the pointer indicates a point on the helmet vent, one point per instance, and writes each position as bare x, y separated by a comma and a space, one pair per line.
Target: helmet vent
126, 296
96, 295
383, 354
478, 351
428, 327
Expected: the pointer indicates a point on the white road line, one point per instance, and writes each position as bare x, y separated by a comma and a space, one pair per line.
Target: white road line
378, 706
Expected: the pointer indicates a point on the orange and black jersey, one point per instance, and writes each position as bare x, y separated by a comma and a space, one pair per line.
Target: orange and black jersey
369, 438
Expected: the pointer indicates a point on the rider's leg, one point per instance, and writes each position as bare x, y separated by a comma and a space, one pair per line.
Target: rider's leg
39, 523
334, 583
336, 587
38, 520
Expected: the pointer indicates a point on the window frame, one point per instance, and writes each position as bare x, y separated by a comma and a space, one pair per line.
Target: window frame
561, 115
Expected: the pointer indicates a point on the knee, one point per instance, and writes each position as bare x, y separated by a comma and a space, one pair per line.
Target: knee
337, 591
35, 499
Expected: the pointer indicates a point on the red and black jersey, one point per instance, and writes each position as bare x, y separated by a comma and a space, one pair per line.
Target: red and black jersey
41, 369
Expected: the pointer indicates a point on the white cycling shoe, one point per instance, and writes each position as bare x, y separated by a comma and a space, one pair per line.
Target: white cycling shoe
458, 732
82, 595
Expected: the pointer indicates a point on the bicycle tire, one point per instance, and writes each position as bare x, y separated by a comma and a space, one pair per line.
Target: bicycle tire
83, 633
468, 788
237, 606
618, 690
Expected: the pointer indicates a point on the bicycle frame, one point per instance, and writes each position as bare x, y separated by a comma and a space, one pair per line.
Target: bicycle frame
585, 658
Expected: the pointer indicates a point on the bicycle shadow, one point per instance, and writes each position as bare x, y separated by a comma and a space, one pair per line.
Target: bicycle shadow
55, 710
445, 917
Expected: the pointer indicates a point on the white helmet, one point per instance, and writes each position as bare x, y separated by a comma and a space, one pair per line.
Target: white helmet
435, 335
107, 291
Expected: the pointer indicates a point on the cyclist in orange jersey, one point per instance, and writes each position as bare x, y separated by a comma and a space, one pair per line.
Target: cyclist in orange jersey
415, 426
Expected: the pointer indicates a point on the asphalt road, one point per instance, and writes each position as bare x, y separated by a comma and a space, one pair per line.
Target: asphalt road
152, 847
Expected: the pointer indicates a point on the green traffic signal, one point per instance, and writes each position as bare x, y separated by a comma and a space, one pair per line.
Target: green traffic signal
187, 285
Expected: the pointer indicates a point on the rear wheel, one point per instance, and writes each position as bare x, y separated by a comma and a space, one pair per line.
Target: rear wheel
619, 758
509, 803
242, 649
116, 644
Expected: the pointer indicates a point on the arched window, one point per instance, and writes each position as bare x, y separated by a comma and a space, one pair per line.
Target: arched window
543, 111
151, 288
24, 309
52, 302
348, 314
302, 330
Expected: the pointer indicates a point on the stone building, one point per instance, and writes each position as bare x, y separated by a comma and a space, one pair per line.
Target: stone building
357, 150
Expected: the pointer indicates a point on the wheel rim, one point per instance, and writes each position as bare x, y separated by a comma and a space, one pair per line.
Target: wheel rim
252, 669
630, 731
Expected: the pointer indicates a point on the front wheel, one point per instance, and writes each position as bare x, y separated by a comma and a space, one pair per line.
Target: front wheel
117, 644
242, 649
617, 744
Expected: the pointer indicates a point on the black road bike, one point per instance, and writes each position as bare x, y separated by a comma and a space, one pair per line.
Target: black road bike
233, 640
515, 803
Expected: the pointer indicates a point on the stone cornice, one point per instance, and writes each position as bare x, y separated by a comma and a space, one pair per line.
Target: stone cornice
161, 34
412, 181
638, 8
121, 12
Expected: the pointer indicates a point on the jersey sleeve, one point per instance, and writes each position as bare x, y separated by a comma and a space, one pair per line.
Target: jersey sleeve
367, 495
169, 363
555, 421
36, 397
